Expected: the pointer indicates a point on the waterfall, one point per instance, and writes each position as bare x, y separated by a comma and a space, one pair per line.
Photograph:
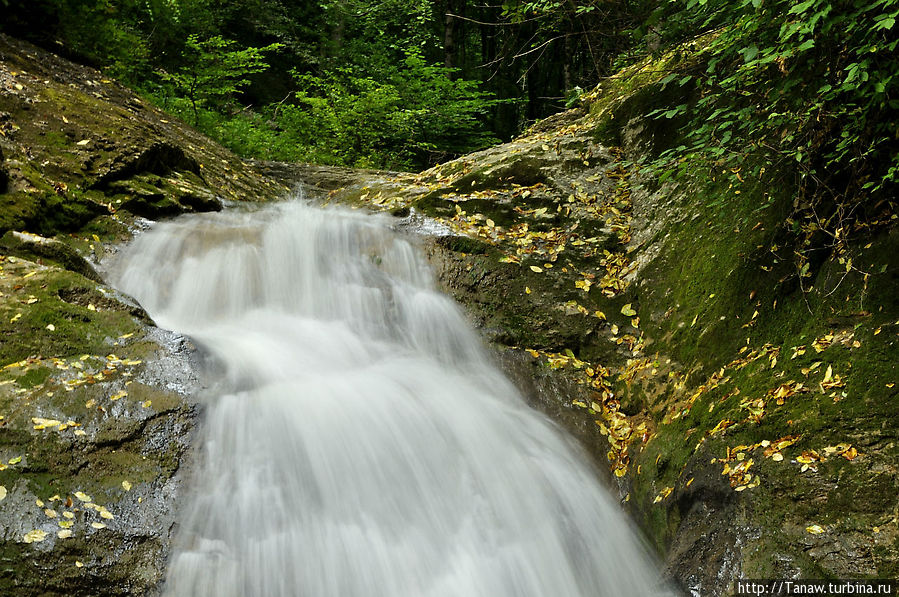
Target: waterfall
357, 442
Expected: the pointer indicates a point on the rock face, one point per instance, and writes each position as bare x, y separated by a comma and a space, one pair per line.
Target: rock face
77, 146
738, 374
96, 411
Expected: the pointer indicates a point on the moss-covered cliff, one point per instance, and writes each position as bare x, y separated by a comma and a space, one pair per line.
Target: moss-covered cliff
736, 349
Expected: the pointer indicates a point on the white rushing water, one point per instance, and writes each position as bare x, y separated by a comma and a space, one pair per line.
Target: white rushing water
360, 444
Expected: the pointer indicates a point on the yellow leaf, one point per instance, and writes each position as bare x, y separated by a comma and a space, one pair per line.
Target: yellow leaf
35, 536
83, 142
83, 496
68, 515
599, 314
126, 485
815, 529
527, 290
106, 514
40, 423
64, 534
98, 525
2, 493
850, 454
535, 268
628, 311
50, 513
78, 564
51, 327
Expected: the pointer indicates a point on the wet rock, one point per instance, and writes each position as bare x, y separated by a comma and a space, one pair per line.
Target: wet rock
317, 180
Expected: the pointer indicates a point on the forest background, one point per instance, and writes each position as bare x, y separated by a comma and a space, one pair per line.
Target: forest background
808, 86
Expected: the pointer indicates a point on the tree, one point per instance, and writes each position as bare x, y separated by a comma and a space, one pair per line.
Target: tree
215, 70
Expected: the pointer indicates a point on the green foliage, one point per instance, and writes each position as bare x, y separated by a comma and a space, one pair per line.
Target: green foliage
412, 111
351, 82
812, 85
214, 70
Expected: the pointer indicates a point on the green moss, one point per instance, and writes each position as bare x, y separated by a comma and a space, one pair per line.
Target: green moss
34, 377
77, 329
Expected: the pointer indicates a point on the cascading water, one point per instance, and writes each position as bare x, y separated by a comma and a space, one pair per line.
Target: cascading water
359, 443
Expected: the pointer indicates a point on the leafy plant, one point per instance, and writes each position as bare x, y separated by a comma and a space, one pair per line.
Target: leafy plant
813, 84
413, 111
214, 70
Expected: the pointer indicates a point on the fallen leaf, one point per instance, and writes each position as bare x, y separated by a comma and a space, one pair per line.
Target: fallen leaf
126, 485
815, 529
83, 496
64, 534
35, 536
535, 268
98, 525
2, 493
628, 311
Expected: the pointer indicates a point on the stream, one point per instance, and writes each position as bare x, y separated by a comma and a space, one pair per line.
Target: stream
357, 441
